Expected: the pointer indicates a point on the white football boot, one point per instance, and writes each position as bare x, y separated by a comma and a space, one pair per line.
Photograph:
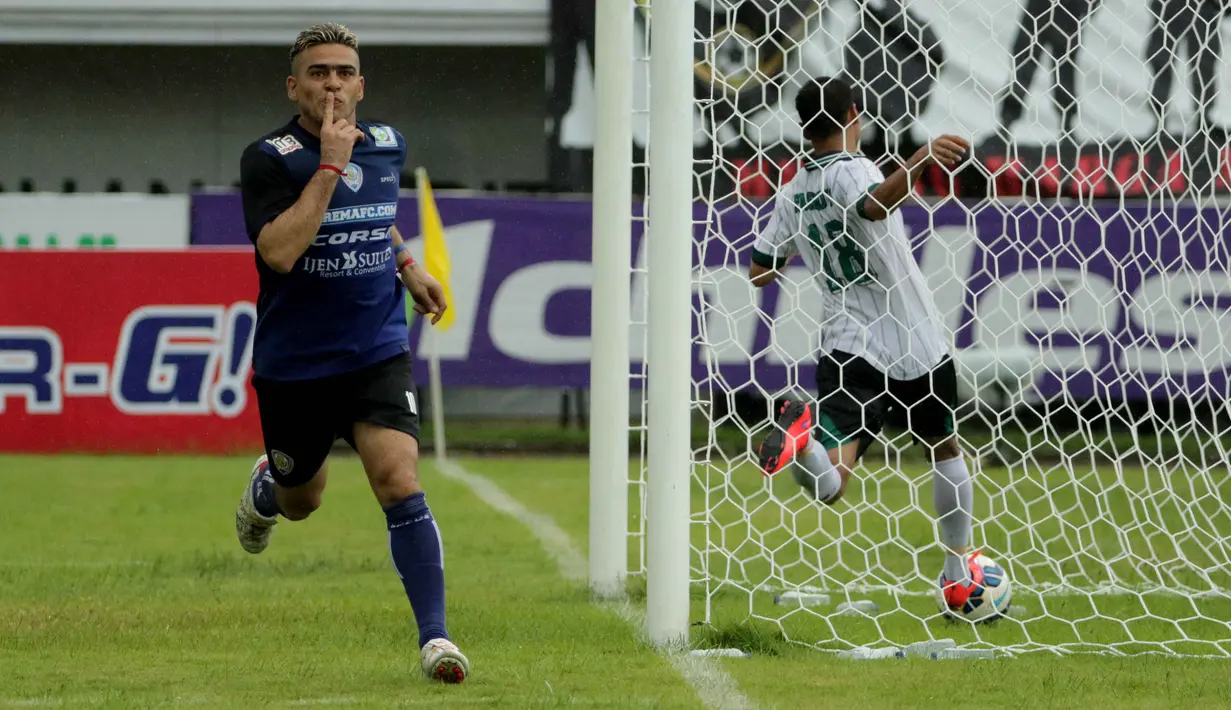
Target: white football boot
252, 528
442, 661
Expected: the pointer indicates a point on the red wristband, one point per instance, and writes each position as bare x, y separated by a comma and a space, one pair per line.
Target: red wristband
409, 260
336, 169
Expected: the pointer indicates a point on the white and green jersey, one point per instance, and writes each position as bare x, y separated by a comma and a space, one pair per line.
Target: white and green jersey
876, 302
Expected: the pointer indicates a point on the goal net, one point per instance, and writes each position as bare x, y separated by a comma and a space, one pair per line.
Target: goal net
1079, 262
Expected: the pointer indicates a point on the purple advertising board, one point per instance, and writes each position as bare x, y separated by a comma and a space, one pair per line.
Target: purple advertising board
1122, 301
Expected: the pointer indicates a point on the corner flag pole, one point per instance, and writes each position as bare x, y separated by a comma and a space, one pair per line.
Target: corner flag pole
438, 412
436, 262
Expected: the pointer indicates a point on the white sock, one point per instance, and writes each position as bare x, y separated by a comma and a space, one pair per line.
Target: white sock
957, 568
953, 498
816, 473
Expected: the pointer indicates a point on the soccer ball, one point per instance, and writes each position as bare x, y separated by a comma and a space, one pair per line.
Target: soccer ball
987, 602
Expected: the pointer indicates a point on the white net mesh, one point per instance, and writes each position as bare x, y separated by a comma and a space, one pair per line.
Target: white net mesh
1079, 265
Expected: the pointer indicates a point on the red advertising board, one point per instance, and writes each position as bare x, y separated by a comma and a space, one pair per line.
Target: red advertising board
127, 351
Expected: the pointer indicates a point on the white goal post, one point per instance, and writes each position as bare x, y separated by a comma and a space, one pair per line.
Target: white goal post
1081, 264
612, 254
669, 389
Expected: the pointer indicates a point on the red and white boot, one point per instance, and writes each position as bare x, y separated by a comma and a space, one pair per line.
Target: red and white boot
442, 661
957, 595
788, 438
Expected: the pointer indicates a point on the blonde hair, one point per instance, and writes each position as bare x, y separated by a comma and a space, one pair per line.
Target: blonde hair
325, 33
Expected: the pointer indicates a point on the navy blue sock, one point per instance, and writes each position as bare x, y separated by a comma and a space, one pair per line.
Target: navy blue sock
263, 498
418, 558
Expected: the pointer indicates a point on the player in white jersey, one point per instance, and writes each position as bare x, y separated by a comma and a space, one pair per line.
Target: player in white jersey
882, 344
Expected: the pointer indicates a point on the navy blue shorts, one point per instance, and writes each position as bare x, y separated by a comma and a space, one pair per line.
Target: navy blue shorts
301, 419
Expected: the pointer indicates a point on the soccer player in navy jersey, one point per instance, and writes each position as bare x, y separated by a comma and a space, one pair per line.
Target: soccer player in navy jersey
331, 358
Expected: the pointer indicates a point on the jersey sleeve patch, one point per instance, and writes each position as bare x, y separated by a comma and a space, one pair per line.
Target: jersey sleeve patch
384, 136
285, 144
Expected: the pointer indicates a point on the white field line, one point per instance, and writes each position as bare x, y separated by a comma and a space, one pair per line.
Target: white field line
712, 684
1048, 589
716, 688
573, 567
488, 700
71, 564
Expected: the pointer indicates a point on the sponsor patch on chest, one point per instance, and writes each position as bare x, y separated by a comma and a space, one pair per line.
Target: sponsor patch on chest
353, 177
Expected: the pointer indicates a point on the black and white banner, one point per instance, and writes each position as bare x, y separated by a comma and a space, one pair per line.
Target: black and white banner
1092, 97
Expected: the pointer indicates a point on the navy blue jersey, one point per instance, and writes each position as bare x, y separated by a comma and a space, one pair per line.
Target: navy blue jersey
341, 307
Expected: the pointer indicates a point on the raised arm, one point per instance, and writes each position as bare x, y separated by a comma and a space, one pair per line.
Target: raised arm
284, 239
886, 197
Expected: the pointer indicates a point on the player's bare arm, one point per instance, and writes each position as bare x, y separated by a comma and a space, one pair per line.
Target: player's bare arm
424, 289
773, 248
285, 239
762, 276
890, 194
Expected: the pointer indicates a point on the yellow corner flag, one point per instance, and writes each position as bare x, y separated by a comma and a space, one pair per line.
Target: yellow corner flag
435, 252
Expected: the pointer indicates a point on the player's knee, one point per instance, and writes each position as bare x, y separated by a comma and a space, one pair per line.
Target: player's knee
299, 503
844, 474
391, 461
395, 482
944, 449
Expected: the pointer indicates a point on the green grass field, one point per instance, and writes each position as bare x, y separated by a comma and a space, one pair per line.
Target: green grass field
1060, 531
123, 586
